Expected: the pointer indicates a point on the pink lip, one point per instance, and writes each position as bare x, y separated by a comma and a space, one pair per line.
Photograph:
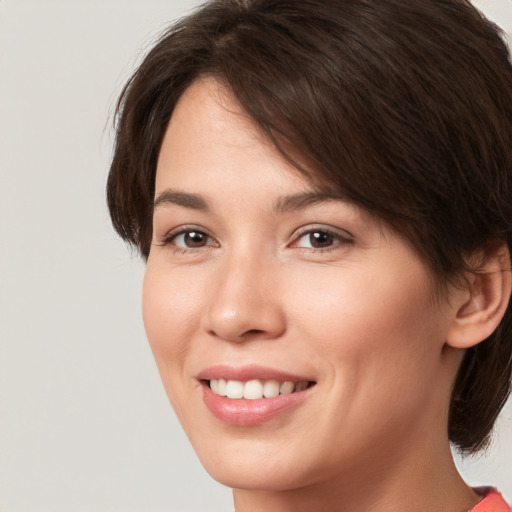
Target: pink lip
245, 373
242, 412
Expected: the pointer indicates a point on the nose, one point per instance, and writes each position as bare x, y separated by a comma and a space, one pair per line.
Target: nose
245, 302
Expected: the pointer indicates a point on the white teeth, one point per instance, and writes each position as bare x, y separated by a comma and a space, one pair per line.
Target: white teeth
271, 389
221, 387
234, 389
214, 386
255, 389
286, 388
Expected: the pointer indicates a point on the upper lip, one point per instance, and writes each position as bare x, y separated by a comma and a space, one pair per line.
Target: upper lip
249, 372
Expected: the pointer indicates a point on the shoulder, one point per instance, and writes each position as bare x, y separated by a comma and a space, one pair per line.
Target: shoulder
492, 501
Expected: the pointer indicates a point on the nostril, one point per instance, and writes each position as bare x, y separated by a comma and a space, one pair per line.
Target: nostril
243, 319
252, 334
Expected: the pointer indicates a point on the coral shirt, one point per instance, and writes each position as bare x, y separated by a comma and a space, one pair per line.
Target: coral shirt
492, 502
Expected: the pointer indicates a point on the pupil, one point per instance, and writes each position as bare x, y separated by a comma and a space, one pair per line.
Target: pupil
194, 239
320, 239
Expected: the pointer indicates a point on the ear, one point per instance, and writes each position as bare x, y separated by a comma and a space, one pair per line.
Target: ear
481, 303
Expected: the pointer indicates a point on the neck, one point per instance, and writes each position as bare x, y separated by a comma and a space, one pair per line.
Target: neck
401, 484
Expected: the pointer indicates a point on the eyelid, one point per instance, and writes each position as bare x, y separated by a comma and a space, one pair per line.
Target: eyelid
342, 235
168, 238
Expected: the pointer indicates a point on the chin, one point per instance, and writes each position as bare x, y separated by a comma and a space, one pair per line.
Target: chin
243, 475
255, 465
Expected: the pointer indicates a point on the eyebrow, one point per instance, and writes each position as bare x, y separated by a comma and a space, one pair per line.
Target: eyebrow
284, 204
304, 199
185, 199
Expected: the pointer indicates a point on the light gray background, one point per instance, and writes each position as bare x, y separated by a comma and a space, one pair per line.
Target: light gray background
84, 422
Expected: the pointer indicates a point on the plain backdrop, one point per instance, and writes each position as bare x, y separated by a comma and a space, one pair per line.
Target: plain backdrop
84, 422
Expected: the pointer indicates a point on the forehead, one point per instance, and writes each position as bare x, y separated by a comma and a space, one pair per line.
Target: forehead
210, 139
209, 119
208, 112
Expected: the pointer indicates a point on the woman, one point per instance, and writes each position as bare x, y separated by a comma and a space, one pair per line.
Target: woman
322, 192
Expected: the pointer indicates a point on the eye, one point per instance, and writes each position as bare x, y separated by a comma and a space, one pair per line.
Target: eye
317, 240
320, 238
191, 239
188, 239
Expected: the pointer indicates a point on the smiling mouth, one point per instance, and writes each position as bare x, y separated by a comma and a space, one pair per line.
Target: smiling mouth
255, 389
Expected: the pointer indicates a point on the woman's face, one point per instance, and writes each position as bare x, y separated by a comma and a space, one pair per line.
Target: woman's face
258, 285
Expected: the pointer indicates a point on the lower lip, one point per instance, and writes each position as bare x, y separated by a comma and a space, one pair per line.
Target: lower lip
243, 412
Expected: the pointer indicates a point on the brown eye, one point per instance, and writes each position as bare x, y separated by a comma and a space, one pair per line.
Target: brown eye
320, 239
194, 239
191, 239
317, 239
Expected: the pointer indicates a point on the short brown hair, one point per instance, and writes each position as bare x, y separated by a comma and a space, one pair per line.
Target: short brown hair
403, 106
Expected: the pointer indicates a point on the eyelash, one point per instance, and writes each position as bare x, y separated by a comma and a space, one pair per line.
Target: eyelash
338, 239
169, 239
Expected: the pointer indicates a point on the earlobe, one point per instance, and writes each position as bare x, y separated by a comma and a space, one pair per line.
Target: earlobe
483, 301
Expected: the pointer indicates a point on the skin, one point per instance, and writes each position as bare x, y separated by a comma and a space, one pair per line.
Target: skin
357, 315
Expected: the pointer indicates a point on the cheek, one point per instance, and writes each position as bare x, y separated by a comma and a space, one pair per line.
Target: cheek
170, 314
170, 308
380, 342
381, 322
